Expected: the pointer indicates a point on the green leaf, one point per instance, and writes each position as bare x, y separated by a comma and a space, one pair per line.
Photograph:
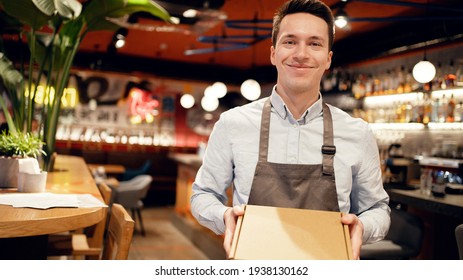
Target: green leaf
26, 12
97, 12
45, 6
69, 9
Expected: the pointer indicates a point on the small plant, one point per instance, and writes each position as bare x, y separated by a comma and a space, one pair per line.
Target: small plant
20, 144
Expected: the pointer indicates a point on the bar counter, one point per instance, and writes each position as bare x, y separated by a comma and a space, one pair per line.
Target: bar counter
449, 205
440, 216
188, 165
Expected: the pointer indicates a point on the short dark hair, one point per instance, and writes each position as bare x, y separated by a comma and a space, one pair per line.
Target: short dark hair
314, 7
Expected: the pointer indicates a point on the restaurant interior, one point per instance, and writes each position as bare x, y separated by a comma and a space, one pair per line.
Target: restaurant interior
135, 120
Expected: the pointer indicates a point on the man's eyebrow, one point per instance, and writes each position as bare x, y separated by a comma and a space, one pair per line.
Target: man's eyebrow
291, 36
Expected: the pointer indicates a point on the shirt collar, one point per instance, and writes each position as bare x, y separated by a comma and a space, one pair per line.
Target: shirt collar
280, 108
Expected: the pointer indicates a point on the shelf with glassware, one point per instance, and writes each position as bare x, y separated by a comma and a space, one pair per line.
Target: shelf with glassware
423, 123
439, 109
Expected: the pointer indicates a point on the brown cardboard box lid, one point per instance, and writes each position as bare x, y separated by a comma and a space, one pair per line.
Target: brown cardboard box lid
269, 233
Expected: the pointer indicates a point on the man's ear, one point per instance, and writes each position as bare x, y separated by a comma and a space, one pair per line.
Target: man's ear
272, 55
328, 64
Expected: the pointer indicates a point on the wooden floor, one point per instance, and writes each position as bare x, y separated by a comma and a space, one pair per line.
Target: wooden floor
171, 237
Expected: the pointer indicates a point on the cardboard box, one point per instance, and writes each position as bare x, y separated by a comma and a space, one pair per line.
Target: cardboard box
272, 233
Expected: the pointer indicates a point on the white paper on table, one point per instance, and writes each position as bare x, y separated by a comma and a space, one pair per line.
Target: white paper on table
49, 200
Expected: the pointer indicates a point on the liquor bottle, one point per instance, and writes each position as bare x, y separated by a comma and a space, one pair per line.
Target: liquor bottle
419, 108
442, 114
427, 110
459, 112
406, 112
451, 109
435, 110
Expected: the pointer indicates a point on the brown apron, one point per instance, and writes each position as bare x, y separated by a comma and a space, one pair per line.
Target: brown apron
306, 186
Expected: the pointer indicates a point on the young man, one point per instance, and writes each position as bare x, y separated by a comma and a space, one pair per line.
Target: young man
285, 150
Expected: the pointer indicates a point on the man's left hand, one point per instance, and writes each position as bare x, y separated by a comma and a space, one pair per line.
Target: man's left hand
355, 231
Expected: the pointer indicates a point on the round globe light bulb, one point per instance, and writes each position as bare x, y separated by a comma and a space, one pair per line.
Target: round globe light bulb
341, 22
424, 71
250, 89
219, 89
187, 101
209, 103
209, 91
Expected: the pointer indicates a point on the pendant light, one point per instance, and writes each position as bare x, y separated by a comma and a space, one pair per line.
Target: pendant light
424, 71
250, 89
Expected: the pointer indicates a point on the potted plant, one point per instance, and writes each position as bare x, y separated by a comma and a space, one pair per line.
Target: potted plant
53, 31
18, 155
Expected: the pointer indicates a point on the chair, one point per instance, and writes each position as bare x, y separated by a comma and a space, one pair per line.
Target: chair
132, 173
120, 233
130, 194
403, 240
459, 238
88, 244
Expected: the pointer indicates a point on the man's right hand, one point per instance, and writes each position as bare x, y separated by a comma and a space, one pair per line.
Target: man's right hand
230, 216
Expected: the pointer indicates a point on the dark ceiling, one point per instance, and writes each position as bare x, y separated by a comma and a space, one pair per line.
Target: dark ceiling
212, 47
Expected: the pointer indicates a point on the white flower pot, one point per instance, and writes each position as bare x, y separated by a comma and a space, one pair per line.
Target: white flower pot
10, 168
32, 183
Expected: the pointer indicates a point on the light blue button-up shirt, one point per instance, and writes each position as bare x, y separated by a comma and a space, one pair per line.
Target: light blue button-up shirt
232, 154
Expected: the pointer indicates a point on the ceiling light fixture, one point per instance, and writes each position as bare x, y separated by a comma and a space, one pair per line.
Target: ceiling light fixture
190, 13
424, 71
209, 103
119, 38
250, 89
341, 18
219, 89
187, 101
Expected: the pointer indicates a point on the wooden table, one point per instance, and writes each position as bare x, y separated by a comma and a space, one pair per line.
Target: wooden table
72, 176
109, 168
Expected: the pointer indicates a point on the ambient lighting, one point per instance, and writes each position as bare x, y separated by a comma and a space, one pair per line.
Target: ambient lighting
120, 42
119, 38
424, 71
92, 104
190, 13
341, 19
187, 101
219, 89
250, 89
209, 103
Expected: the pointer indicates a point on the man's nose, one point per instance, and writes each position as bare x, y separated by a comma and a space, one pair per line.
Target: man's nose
302, 51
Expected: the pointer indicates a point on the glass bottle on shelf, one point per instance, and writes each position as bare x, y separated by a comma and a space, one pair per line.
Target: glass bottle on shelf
459, 112
442, 114
427, 110
435, 110
451, 109
450, 75
398, 112
418, 109
409, 81
401, 80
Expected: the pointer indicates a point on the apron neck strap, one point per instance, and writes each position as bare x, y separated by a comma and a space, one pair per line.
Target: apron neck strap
328, 149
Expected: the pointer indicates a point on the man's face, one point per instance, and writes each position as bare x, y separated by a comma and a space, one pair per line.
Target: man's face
301, 53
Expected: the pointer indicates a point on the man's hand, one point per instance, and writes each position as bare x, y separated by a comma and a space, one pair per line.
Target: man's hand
355, 231
230, 216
